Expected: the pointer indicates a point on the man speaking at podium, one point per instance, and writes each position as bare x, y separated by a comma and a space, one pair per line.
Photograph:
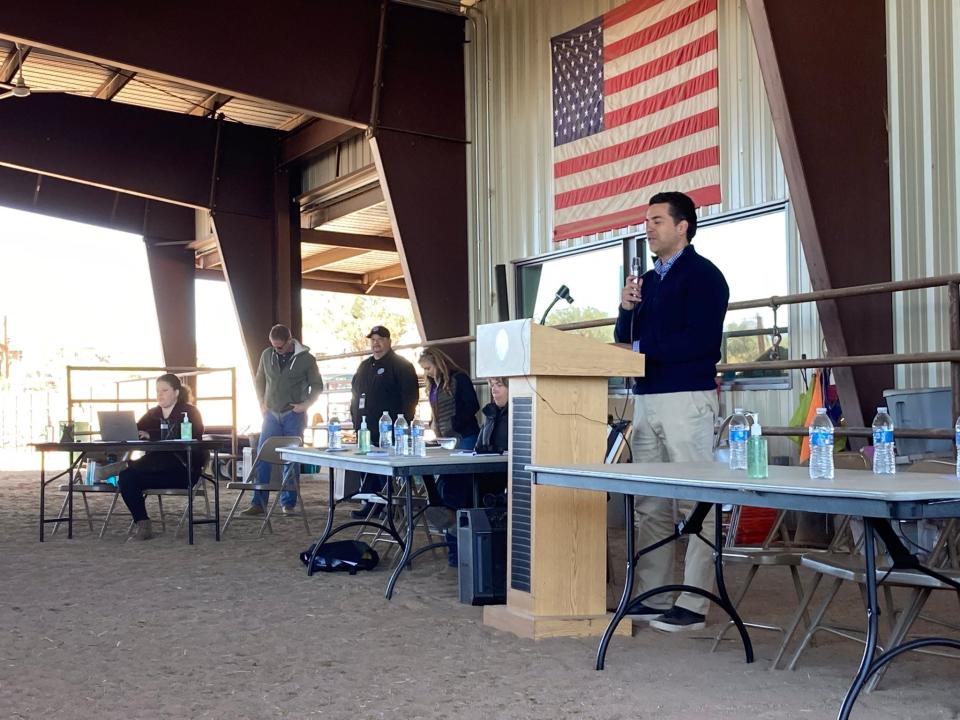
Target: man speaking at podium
674, 316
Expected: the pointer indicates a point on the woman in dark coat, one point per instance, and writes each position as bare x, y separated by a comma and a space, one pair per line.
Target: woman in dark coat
158, 470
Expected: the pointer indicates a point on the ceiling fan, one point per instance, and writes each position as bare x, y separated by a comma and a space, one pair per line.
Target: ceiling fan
19, 87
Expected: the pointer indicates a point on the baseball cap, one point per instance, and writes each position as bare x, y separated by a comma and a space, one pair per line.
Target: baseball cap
379, 330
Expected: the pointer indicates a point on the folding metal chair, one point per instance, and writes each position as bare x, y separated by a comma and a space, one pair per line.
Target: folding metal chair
80, 488
850, 567
268, 454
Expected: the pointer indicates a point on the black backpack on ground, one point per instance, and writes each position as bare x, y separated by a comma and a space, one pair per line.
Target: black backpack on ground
346, 555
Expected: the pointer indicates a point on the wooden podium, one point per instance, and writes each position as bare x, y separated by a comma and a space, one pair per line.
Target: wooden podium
556, 537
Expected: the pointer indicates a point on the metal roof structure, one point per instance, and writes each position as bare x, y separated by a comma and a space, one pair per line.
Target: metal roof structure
360, 271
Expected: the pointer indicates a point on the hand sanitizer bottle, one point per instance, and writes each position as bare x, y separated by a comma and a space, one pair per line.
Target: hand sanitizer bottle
756, 451
186, 428
363, 436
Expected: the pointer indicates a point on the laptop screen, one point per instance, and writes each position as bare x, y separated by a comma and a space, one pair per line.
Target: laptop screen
117, 425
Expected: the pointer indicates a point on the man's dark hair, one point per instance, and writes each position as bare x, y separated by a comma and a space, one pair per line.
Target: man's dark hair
681, 208
280, 332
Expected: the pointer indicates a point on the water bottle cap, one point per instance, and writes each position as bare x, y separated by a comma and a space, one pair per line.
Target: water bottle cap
821, 411
738, 411
882, 409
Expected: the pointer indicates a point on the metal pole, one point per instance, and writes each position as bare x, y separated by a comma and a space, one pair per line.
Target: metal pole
378, 70
953, 292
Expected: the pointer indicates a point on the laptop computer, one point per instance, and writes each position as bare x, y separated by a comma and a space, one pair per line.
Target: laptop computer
117, 425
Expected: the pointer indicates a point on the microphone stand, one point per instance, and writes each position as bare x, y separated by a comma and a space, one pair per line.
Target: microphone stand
562, 294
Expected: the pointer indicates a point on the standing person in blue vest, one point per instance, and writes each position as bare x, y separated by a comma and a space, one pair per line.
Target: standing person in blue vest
674, 315
288, 382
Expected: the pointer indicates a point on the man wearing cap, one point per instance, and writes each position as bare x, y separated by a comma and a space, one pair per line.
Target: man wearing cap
383, 382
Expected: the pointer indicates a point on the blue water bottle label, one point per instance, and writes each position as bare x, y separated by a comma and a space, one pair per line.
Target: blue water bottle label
738, 435
957, 439
882, 437
821, 438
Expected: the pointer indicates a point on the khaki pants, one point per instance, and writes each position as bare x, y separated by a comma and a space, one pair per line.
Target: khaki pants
673, 427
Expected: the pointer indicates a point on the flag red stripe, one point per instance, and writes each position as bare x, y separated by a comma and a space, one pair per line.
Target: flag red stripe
701, 197
657, 31
656, 103
662, 136
684, 54
626, 11
648, 176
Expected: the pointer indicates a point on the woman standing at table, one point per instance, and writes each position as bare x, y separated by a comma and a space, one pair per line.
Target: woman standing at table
160, 470
453, 400
454, 406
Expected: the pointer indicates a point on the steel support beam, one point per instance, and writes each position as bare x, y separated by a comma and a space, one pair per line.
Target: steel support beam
355, 202
312, 139
328, 257
421, 160
351, 240
224, 167
160, 155
11, 66
210, 104
162, 222
172, 275
432, 245
243, 54
835, 153
112, 85
355, 289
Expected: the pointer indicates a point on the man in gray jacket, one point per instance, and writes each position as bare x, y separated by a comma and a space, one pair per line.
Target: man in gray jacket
288, 383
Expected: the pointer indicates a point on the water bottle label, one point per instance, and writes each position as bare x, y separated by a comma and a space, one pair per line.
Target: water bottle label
417, 432
738, 435
957, 439
882, 437
821, 438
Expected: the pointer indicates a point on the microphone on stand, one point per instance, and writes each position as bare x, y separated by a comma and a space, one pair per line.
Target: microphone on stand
562, 294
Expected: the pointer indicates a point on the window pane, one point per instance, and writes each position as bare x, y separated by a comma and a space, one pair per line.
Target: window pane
594, 279
751, 253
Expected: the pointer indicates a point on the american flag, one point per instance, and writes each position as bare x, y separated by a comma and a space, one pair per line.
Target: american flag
635, 112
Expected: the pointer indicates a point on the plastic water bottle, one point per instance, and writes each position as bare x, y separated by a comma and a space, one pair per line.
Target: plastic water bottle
821, 446
164, 428
417, 438
884, 459
956, 430
401, 437
334, 434
386, 431
739, 432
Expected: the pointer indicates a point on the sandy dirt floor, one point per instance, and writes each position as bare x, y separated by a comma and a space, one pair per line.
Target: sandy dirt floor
107, 629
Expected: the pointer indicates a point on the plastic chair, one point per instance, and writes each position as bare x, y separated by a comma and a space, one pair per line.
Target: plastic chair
268, 454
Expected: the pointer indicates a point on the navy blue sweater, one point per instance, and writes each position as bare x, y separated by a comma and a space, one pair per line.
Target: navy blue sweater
679, 326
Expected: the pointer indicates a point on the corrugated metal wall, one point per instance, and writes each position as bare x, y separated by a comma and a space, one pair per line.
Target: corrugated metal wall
347, 157
513, 64
923, 50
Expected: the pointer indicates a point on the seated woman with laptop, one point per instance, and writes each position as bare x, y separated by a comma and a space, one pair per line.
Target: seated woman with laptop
160, 470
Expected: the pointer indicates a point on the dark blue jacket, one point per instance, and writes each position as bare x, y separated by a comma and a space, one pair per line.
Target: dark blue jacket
679, 326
